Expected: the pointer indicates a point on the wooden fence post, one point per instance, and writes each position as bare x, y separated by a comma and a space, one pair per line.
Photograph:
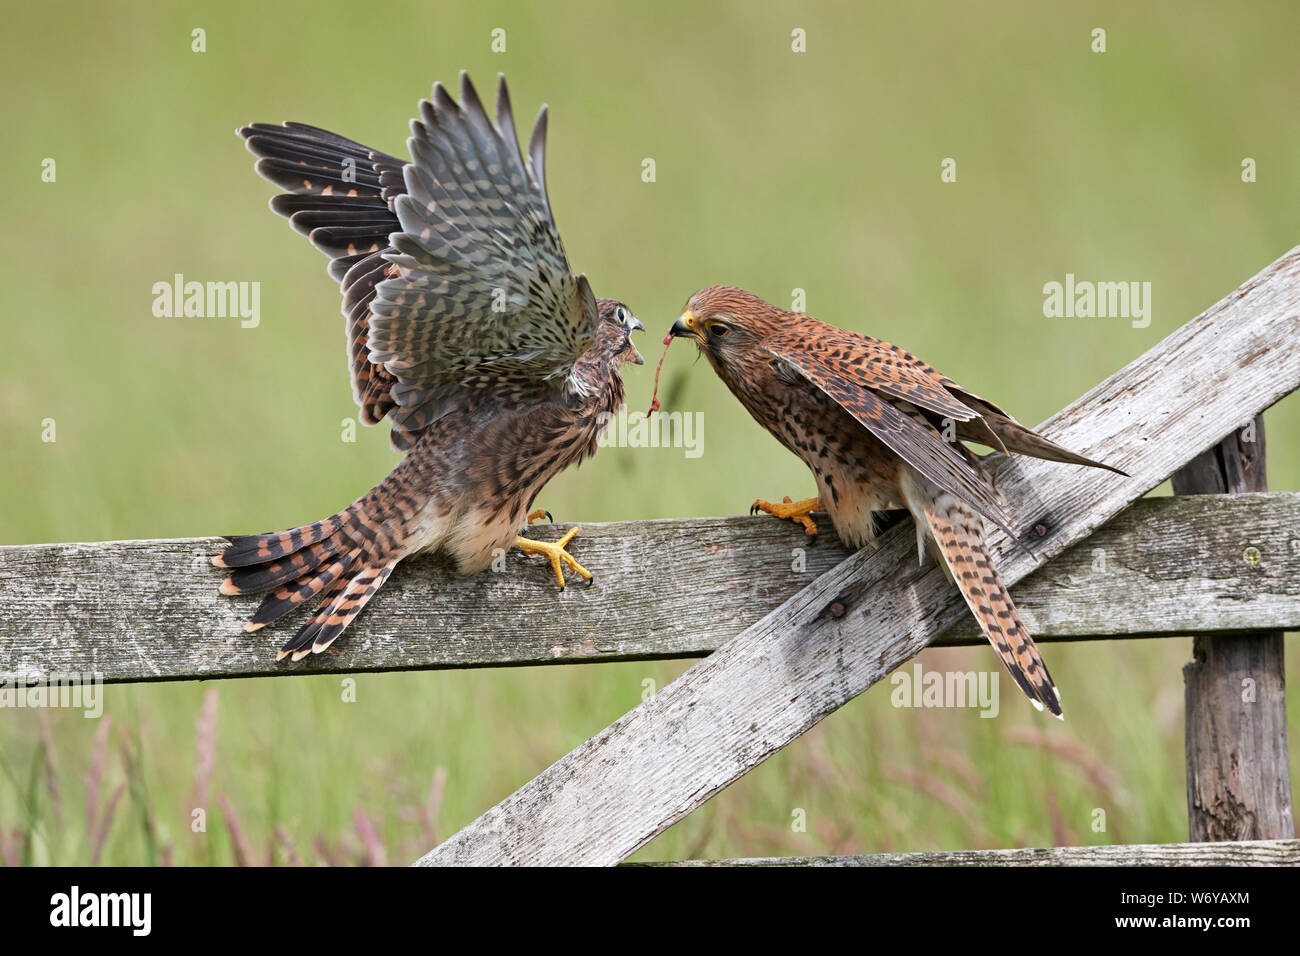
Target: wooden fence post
1238, 779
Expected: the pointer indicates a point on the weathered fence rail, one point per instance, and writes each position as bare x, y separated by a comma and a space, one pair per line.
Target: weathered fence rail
1238, 853
149, 610
808, 640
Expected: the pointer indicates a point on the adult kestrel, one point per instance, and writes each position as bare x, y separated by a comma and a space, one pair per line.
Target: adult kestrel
869, 420
496, 365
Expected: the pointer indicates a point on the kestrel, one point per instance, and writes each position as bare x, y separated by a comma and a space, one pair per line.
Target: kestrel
496, 365
870, 421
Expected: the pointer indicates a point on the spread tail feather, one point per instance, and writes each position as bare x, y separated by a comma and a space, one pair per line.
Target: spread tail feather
340, 560
310, 586
341, 605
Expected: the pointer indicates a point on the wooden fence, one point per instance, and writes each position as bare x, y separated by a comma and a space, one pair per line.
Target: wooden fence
786, 648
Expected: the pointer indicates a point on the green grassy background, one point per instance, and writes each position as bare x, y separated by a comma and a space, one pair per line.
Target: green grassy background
775, 170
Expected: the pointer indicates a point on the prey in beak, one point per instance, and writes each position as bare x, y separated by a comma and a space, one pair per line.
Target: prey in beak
686, 326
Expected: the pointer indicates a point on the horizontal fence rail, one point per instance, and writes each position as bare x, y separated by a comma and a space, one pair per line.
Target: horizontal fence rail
1242, 853
149, 610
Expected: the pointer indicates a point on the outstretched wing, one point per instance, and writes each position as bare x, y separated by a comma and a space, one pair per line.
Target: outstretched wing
866, 378
340, 196
476, 288
483, 295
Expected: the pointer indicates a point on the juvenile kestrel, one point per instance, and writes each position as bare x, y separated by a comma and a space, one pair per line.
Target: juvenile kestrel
868, 419
466, 329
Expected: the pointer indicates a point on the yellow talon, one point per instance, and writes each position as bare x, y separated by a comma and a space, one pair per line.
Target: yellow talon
556, 554
794, 510
539, 514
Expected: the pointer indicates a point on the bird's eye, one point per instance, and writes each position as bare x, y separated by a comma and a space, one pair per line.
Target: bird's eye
621, 314
717, 329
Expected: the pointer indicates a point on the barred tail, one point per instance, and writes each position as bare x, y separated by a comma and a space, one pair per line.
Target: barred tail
344, 601
335, 559
958, 534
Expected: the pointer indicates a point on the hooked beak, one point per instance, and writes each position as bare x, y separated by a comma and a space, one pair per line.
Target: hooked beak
686, 326
633, 325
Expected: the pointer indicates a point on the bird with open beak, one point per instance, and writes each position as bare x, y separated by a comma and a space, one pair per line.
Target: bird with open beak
468, 331
869, 420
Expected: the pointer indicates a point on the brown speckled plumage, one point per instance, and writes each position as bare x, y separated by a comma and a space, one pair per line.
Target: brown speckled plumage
869, 420
466, 329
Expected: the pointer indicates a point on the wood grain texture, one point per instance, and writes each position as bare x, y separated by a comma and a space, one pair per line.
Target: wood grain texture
1238, 772
149, 610
854, 624
1245, 853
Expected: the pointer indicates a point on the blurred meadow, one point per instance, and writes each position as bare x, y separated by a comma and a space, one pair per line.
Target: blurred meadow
775, 170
